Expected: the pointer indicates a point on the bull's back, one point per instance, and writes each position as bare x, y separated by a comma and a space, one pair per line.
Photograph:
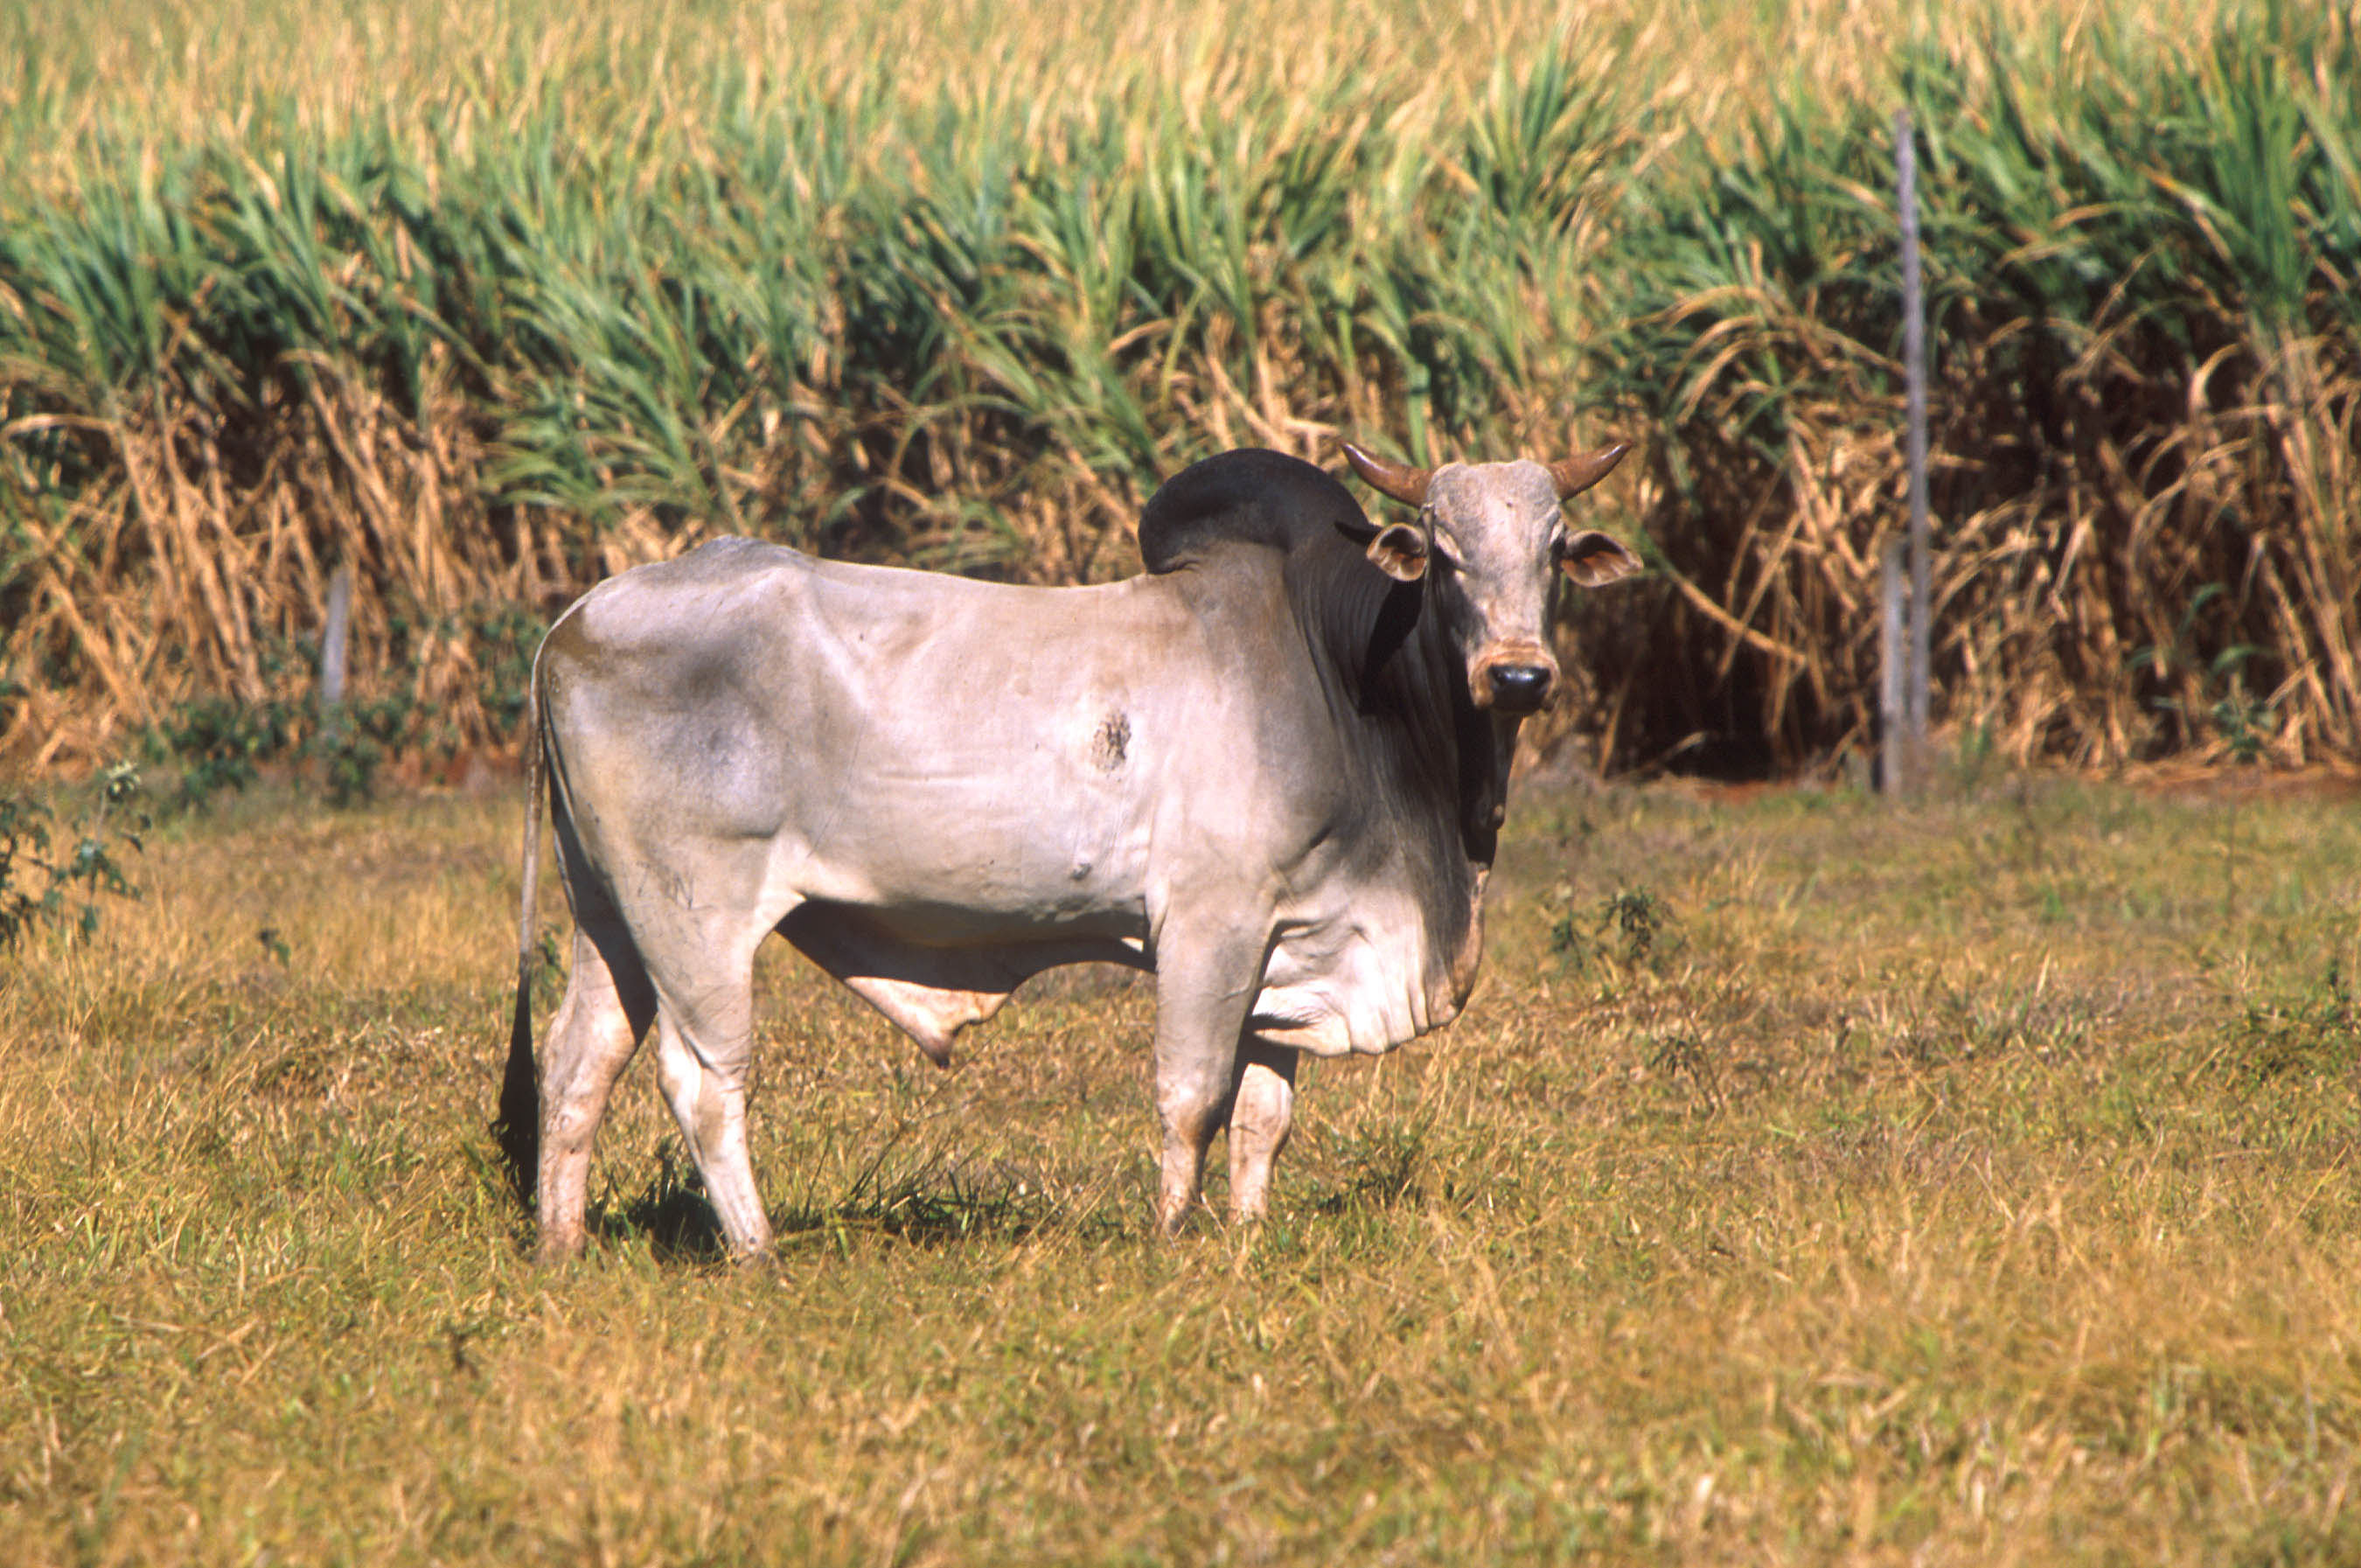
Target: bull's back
954, 750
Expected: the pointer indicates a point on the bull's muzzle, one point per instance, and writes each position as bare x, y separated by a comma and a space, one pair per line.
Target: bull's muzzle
1516, 688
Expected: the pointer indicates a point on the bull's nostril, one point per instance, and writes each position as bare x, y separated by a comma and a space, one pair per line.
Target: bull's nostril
1518, 688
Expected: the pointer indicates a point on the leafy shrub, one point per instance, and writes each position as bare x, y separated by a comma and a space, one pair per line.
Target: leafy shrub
355, 740
45, 882
220, 743
504, 638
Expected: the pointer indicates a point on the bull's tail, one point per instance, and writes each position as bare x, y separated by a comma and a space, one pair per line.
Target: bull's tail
517, 1129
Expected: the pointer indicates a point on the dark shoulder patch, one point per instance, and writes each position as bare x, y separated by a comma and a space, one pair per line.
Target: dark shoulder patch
1247, 497
1111, 746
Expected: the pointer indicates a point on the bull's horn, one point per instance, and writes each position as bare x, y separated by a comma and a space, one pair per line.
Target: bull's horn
1407, 486
1576, 474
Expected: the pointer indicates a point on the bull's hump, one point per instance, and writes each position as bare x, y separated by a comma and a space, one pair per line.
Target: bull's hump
1249, 497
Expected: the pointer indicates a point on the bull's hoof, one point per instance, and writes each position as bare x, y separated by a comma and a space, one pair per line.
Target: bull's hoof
761, 1263
1172, 1219
557, 1249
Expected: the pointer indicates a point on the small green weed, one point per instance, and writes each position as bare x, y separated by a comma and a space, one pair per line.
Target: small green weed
1387, 1162
2244, 724
1632, 927
2316, 1032
1685, 1056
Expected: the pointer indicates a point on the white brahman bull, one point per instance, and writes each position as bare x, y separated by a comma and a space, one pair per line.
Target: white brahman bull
1271, 770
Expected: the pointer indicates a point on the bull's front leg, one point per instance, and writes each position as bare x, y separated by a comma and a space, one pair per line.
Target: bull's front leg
1262, 1113
1203, 990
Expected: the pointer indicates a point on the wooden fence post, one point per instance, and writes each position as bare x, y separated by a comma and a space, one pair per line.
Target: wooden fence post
334, 637
1920, 616
1890, 658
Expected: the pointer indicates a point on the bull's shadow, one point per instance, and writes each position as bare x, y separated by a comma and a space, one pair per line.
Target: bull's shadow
938, 1202
931, 1201
671, 1212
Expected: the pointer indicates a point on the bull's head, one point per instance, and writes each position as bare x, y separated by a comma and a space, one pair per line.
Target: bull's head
1494, 536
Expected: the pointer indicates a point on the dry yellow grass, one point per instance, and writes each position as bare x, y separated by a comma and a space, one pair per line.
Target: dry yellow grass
1962, 1184
181, 69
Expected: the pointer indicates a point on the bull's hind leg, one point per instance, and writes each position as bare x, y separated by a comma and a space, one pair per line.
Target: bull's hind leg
1261, 1116
705, 1053
608, 1005
703, 1061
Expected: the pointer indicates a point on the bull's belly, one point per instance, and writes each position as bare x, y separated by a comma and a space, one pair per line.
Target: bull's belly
923, 923
989, 879
1356, 974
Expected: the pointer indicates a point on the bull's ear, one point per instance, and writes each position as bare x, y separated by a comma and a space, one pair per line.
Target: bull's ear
1595, 559
1401, 551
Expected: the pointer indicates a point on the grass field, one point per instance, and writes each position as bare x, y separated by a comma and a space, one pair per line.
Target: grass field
1813, 1180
